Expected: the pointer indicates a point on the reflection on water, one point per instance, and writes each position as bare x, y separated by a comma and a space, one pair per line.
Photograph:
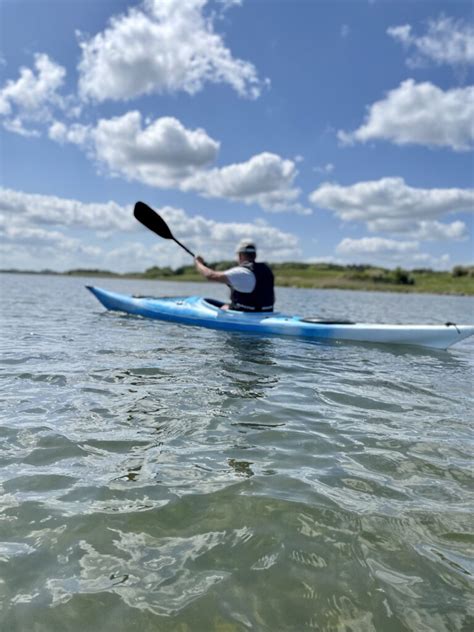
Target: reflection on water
247, 364
184, 480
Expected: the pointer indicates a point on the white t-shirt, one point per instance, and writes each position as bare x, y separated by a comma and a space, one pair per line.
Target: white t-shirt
241, 279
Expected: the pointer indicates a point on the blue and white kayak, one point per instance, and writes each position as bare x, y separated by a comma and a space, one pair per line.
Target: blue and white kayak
203, 312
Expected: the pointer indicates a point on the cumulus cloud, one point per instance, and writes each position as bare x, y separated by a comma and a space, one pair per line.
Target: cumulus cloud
164, 154
218, 239
161, 154
265, 179
162, 46
24, 245
215, 241
424, 230
34, 236
41, 231
32, 97
420, 113
374, 245
390, 205
76, 133
389, 252
38, 209
447, 41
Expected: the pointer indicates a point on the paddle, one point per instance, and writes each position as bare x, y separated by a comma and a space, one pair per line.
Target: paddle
150, 218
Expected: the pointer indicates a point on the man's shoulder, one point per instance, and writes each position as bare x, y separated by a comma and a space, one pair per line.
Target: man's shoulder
264, 266
240, 269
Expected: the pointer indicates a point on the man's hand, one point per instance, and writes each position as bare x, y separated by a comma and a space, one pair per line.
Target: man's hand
199, 259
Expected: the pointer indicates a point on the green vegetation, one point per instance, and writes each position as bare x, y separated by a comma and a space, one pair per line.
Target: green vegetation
323, 276
355, 277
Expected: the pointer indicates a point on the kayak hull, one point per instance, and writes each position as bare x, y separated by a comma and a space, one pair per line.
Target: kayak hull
202, 312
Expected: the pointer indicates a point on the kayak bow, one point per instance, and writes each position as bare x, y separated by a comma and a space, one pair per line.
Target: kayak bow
202, 312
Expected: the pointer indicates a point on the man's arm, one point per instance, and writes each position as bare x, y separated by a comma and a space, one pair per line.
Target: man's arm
211, 275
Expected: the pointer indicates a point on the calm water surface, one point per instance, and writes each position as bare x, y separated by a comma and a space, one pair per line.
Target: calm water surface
162, 478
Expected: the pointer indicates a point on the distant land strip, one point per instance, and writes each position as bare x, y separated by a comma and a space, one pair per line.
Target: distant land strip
460, 280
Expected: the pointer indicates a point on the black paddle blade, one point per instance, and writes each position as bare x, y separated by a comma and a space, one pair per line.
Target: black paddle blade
150, 218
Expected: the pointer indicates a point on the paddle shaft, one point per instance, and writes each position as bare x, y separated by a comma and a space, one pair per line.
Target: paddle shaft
184, 247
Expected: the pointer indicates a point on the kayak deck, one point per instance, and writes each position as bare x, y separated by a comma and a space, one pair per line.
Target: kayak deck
201, 312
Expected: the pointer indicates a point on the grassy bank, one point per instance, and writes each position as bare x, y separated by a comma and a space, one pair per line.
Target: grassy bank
330, 276
460, 280
457, 281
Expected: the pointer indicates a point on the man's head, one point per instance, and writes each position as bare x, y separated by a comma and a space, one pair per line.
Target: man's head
246, 250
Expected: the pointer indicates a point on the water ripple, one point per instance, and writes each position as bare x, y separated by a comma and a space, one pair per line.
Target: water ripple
184, 479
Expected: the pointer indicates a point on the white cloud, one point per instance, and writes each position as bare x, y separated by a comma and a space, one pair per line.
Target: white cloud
374, 245
420, 114
76, 133
446, 41
41, 231
33, 91
29, 235
424, 259
423, 230
228, 4
161, 154
37, 209
165, 154
390, 205
33, 96
265, 179
16, 125
327, 168
42, 255
389, 253
43, 240
437, 230
217, 240
163, 46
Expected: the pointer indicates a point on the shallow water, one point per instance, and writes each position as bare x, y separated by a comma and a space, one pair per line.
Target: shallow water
181, 479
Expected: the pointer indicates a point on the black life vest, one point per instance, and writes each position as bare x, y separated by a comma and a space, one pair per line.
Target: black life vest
262, 298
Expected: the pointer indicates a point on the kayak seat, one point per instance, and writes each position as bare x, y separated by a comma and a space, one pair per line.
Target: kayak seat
324, 321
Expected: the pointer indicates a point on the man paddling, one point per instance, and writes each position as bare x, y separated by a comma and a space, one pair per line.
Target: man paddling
251, 284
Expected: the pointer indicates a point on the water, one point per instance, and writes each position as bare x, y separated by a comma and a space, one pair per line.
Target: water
162, 478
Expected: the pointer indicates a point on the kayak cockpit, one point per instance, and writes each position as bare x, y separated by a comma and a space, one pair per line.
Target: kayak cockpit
214, 302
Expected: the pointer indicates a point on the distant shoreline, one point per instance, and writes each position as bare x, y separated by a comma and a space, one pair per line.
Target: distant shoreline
458, 282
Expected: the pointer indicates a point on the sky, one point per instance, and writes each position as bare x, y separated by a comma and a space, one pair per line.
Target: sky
325, 130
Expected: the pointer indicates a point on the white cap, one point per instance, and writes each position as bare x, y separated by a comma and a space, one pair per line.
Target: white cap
246, 246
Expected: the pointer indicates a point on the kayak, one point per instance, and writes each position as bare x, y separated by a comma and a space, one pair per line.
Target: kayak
206, 312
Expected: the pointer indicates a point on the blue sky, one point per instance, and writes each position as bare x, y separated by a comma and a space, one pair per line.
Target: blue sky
325, 130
